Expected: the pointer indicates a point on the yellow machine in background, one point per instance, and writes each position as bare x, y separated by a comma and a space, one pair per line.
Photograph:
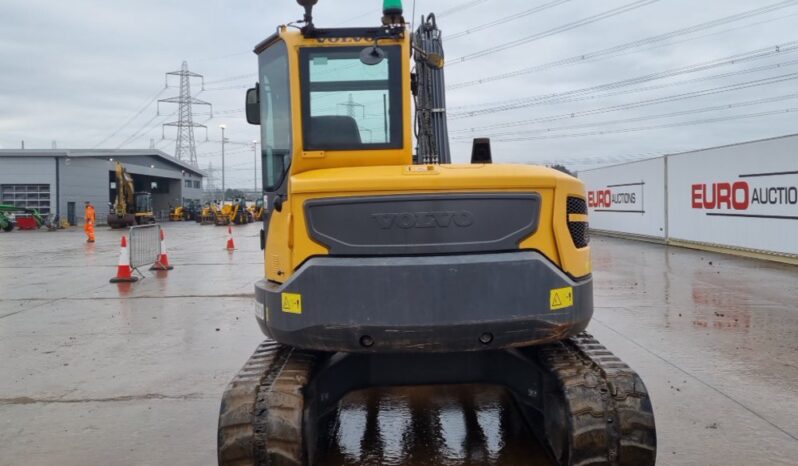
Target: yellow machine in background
204, 214
256, 210
177, 214
231, 212
220, 215
384, 267
130, 208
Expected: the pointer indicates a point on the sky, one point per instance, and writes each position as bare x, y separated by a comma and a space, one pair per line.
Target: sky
591, 82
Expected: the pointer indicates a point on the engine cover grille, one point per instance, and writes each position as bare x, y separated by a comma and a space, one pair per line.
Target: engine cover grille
580, 233
423, 223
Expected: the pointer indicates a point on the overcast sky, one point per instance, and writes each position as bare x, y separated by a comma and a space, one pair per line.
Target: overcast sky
83, 73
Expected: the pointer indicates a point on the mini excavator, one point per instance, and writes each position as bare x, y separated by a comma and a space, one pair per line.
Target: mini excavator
384, 267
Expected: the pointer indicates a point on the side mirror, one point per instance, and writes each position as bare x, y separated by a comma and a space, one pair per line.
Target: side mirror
253, 105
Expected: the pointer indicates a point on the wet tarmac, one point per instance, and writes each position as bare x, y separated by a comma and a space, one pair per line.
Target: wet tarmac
431, 425
93, 373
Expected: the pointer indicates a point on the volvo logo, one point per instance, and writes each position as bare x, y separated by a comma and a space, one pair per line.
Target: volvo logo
408, 220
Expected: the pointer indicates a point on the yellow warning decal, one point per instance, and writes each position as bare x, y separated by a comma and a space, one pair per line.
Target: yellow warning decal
561, 298
292, 303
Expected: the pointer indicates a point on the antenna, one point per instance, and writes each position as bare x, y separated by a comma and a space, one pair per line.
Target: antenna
308, 5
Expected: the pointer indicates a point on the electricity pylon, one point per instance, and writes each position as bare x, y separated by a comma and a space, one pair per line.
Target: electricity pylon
185, 148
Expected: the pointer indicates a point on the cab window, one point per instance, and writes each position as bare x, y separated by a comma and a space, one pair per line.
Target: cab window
275, 118
348, 105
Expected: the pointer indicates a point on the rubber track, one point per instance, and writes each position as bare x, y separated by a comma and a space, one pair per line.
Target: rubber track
260, 420
279, 410
236, 433
609, 414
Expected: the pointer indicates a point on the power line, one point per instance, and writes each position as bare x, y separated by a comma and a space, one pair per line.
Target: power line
603, 160
138, 132
557, 30
229, 112
542, 100
362, 15
613, 51
614, 108
131, 118
695, 111
460, 8
769, 52
506, 19
647, 128
233, 78
227, 88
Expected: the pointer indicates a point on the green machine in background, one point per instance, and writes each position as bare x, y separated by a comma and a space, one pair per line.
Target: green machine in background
5, 220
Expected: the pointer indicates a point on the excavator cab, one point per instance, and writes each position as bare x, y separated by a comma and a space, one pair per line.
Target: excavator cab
143, 204
325, 106
374, 255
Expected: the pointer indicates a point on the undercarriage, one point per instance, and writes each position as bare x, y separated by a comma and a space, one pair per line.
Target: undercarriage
583, 404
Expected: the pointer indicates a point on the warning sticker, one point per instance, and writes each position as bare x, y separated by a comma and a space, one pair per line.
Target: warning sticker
292, 303
561, 298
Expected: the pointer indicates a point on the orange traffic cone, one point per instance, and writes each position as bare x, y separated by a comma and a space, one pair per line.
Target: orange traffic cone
124, 272
231, 245
163, 260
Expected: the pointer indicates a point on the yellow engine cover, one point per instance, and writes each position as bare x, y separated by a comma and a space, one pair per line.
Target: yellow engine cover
289, 244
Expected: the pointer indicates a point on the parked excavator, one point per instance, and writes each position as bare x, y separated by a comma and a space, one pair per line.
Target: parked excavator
205, 215
384, 267
178, 214
240, 214
256, 210
221, 215
130, 208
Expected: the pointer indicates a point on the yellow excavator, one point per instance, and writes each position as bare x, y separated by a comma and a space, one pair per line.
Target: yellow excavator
384, 267
130, 208
204, 214
256, 210
221, 215
177, 214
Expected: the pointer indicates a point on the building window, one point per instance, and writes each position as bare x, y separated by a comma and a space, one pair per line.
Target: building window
198, 184
27, 196
188, 183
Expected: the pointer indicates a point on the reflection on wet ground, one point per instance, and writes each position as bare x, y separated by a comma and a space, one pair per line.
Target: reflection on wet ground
431, 425
137, 380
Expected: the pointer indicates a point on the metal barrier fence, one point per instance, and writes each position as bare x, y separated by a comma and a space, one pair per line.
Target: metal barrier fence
145, 245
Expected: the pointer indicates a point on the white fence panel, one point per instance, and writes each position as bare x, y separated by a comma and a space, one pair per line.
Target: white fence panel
628, 198
743, 196
145, 245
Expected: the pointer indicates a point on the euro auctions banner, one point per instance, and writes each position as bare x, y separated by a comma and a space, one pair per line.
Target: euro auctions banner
743, 196
627, 198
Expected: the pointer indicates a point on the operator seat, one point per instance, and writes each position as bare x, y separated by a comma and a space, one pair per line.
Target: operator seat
334, 131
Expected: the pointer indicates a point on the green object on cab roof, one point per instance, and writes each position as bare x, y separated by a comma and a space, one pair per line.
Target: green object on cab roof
392, 7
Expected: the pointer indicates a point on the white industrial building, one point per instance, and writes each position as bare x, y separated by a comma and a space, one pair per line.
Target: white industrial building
59, 181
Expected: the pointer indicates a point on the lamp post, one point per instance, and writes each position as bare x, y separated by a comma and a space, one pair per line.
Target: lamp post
255, 165
223, 127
